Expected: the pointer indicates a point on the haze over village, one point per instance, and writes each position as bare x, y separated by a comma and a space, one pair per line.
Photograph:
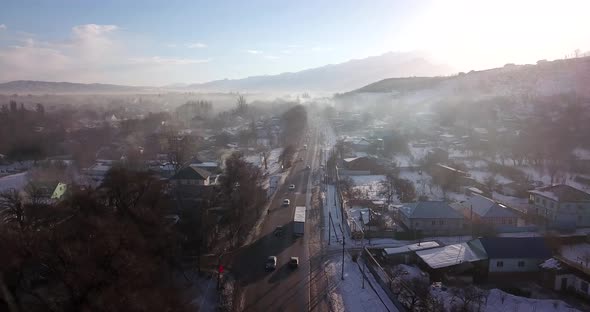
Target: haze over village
273, 156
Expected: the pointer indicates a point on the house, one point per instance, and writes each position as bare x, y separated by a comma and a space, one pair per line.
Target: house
210, 166
407, 254
482, 210
463, 260
191, 176
510, 255
569, 270
362, 166
431, 217
561, 204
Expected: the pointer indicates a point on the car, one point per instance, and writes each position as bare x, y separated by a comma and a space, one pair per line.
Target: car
291, 187
294, 262
278, 230
271, 263
286, 202
307, 167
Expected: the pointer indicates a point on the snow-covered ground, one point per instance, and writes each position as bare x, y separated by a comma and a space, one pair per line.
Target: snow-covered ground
369, 185
15, 181
349, 295
200, 293
499, 301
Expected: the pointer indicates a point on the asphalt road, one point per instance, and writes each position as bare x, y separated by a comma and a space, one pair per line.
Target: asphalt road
286, 289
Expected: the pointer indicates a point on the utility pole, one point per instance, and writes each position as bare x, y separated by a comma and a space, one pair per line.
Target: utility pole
329, 226
362, 252
343, 239
471, 218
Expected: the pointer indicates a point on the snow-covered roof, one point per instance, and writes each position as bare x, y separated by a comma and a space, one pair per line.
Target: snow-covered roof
299, 214
451, 255
551, 264
206, 164
412, 247
562, 193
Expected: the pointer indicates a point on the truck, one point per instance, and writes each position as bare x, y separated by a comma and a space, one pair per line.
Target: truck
299, 221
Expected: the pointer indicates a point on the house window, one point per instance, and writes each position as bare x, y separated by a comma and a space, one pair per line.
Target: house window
499, 264
544, 202
441, 222
552, 204
521, 264
537, 200
433, 222
584, 286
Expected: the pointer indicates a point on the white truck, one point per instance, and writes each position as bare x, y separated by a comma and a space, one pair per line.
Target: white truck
299, 221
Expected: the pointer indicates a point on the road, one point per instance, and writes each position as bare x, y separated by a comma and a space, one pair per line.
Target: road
285, 289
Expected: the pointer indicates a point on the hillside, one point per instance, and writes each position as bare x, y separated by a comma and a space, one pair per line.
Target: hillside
335, 78
47, 87
543, 78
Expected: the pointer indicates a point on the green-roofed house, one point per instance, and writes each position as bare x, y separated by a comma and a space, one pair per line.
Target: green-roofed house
431, 218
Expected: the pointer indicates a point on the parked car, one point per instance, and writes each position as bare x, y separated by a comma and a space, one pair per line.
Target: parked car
294, 262
291, 187
286, 202
271, 263
278, 231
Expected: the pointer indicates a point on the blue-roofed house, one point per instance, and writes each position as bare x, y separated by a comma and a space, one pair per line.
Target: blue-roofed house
515, 254
431, 218
482, 210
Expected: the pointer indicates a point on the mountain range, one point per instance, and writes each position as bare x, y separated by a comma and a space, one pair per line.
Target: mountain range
336, 77
341, 77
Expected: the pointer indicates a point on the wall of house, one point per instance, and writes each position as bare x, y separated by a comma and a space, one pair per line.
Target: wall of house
553, 210
440, 226
575, 283
513, 265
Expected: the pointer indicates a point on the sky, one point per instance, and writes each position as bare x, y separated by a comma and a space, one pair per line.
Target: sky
164, 42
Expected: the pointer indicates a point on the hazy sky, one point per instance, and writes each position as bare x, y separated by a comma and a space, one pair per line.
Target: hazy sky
160, 42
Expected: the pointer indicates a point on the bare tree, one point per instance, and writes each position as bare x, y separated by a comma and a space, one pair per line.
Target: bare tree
464, 298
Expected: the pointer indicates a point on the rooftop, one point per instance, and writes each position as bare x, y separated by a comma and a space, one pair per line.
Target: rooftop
430, 209
488, 208
191, 173
562, 193
412, 247
516, 247
451, 255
